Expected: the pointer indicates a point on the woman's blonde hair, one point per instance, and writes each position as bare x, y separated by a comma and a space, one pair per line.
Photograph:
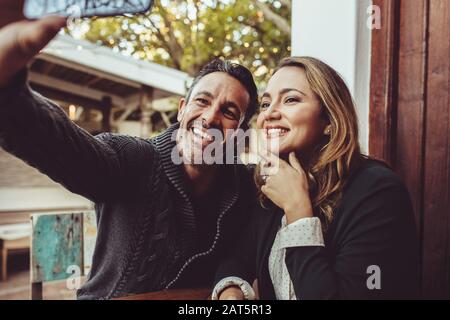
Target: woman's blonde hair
338, 155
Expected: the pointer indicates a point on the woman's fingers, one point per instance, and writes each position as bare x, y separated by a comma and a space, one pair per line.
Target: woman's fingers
270, 163
265, 191
294, 162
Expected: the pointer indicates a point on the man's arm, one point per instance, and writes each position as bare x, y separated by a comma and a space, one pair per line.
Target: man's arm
21, 39
38, 131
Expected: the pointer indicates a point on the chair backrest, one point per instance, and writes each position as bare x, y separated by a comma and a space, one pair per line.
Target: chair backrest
61, 244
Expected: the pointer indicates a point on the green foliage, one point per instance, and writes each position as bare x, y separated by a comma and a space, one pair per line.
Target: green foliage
187, 34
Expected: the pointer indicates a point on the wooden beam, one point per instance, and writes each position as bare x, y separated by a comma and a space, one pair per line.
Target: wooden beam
102, 61
165, 118
46, 56
124, 115
106, 112
383, 91
436, 218
54, 94
411, 103
146, 106
70, 87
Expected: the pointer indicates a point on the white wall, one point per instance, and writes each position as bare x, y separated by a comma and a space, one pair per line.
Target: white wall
335, 31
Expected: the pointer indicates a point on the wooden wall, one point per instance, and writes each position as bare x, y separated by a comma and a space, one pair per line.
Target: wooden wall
410, 120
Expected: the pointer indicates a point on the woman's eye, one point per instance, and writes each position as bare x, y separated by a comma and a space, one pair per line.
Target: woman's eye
265, 105
292, 100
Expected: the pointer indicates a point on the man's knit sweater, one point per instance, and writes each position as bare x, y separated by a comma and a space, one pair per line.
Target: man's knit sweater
148, 237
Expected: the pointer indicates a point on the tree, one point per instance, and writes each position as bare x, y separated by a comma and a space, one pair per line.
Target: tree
187, 34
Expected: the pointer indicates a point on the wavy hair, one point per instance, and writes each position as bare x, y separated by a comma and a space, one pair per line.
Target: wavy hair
338, 155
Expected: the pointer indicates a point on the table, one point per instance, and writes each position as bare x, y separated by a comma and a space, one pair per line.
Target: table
173, 294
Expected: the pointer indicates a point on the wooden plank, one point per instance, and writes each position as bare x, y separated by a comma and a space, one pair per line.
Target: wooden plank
14, 217
411, 99
56, 245
173, 294
106, 113
72, 98
448, 183
89, 239
436, 269
4, 257
416, 128
36, 291
79, 88
17, 244
383, 91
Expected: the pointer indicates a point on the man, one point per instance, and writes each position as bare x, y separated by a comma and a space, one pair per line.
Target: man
160, 225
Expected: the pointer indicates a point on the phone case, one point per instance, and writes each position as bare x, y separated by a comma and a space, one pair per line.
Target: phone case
35, 9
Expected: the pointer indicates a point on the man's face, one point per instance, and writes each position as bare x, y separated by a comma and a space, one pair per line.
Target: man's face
216, 106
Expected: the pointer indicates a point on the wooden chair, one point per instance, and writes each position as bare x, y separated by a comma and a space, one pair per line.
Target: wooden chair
13, 238
60, 244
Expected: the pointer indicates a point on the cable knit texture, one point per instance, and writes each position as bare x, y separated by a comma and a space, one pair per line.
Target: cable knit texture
147, 235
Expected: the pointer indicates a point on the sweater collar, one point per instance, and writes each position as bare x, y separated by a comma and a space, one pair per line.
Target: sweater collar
165, 144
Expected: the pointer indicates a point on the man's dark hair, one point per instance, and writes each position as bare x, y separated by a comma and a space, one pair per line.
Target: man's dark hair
237, 71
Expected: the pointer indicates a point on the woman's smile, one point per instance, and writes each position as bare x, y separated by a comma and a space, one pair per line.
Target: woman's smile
275, 132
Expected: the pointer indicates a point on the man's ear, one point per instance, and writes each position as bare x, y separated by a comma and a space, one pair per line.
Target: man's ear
181, 106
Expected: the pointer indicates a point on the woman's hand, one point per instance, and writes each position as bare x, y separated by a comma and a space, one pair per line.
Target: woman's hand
287, 186
231, 293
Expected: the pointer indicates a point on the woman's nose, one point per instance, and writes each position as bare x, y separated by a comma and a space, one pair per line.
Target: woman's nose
272, 112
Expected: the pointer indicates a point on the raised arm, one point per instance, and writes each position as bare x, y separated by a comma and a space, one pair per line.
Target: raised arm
20, 39
39, 132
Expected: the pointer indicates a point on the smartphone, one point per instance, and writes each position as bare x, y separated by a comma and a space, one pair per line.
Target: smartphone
35, 9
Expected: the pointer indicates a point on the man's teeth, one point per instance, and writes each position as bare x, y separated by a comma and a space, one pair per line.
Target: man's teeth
275, 132
203, 135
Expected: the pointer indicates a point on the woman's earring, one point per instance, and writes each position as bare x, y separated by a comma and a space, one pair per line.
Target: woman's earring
328, 132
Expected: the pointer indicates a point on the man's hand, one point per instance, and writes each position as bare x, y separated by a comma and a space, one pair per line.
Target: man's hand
232, 293
20, 39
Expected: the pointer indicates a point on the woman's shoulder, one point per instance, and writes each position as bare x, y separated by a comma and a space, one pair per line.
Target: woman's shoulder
372, 171
375, 193
374, 176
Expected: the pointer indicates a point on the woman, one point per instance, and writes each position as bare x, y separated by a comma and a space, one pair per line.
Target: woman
332, 224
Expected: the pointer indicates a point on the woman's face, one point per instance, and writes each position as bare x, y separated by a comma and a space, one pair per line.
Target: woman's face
290, 113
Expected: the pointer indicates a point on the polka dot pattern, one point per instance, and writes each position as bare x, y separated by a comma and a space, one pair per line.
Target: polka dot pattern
301, 233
